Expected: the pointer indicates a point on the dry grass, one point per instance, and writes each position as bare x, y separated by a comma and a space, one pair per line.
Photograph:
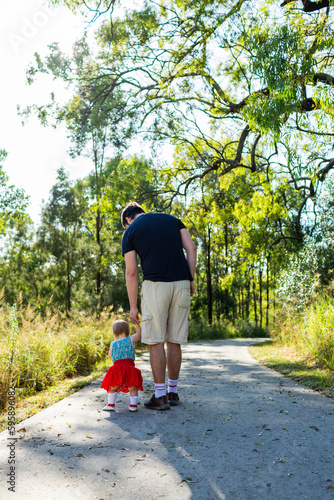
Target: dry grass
293, 364
37, 352
309, 332
303, 345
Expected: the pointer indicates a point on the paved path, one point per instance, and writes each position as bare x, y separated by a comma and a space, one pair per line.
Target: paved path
242, 432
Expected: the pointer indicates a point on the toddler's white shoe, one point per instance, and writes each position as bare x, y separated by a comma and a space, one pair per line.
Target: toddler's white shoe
133, 407
109, 407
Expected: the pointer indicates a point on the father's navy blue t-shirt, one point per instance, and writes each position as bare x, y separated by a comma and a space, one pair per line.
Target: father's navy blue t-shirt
156, 238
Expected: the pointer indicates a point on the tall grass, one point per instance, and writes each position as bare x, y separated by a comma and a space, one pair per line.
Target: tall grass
7, 365
311, 331
37, 351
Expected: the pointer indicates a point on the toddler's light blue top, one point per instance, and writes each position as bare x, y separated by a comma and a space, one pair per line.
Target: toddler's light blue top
122, 349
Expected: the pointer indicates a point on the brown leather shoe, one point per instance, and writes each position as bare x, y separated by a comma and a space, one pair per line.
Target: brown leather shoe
157, 403
173, 398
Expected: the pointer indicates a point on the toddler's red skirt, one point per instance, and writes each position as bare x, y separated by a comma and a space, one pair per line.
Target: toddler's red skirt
123, 373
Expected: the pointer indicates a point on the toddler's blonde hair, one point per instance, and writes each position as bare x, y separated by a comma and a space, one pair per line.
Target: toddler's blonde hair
120, 326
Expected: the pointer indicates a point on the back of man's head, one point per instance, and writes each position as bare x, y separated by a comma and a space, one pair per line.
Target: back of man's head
131, 210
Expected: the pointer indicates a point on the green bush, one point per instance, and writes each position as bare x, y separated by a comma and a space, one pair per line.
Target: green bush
199, 330
248, 329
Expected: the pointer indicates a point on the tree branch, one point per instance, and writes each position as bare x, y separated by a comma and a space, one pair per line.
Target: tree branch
324, 78
324, 171
309, 6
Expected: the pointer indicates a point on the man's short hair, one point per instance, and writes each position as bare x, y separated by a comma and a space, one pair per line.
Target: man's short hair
131, 210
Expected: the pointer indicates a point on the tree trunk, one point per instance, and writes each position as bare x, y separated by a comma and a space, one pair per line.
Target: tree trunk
247, 299
209, 281
267, 309
98, 241
234, 306
226, 244
255, 303
274, 302
98, 232
242, 304
260, 305
68, 282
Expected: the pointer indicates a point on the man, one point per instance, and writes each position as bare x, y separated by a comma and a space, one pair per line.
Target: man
168, 283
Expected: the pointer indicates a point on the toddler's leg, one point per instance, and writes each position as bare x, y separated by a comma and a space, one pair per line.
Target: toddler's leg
133, 391
112, 395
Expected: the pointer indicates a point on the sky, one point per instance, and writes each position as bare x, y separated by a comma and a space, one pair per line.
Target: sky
34, 152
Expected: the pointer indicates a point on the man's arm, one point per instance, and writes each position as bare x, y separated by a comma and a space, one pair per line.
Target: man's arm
131, 277
190, 249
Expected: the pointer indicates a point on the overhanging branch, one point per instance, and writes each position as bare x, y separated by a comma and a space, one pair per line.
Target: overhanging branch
309, 6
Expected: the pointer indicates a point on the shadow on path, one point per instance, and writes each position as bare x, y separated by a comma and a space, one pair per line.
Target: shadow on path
242, 431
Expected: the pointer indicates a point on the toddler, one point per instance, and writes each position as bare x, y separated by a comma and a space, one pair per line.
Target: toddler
123, 375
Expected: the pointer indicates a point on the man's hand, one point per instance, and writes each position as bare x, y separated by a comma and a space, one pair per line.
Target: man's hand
134, 316
192, 288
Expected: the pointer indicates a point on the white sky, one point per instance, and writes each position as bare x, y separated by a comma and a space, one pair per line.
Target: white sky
34, 152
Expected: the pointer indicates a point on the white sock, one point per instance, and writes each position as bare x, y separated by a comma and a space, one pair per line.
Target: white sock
112, 398
172, 385
160, 390
133, 400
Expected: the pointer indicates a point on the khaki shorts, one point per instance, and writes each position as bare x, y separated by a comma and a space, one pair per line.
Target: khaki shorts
165, 310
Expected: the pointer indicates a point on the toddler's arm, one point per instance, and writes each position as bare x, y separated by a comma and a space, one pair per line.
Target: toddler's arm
109, 353
137, 336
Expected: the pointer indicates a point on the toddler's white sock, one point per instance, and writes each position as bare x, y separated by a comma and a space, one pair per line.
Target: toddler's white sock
133, 400
112, 398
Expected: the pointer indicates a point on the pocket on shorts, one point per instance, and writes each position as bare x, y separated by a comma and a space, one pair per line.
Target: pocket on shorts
184, 298
146, 318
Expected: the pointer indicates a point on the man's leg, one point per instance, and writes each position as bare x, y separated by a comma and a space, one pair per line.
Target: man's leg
158, 363
174, 360
156, 298
177, 334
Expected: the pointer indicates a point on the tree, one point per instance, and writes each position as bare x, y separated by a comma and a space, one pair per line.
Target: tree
252, 85
22, 271
243, 92
123, 180
300, 280
13, 201
62, 235
92, 129
96, 8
